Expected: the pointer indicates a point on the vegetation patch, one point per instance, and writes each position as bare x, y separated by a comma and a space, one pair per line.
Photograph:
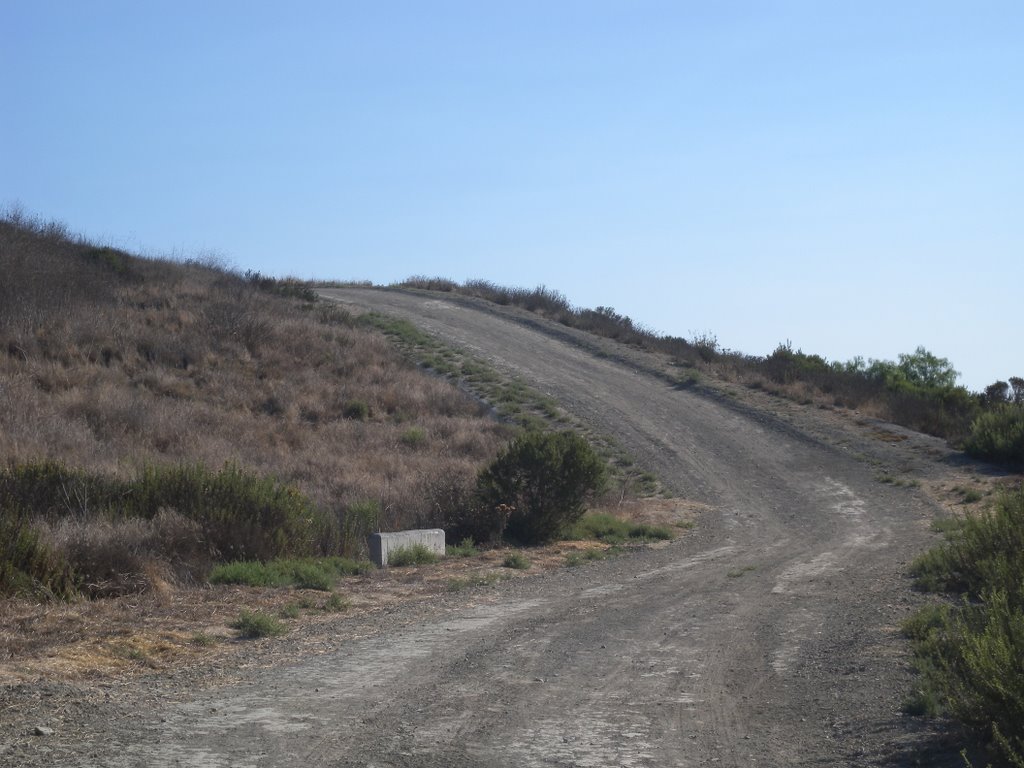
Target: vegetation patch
413, 554
255, 624
543, 480
612, 530
969, 654
303, 573
516, 561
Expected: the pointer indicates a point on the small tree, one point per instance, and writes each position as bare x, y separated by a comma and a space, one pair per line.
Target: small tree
922, 367
545, 478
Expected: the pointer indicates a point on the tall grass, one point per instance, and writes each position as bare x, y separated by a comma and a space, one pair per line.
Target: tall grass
111, 364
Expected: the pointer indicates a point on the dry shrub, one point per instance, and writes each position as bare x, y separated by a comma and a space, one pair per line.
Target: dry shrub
116, 557
109, 362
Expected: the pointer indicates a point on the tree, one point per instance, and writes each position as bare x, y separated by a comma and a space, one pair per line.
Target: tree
544, 478
922, 367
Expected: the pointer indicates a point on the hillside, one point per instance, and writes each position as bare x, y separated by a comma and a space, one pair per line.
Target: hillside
113, 365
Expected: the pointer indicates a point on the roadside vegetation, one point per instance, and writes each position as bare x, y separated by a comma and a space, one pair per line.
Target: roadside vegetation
918, 390
170, 423
968, 651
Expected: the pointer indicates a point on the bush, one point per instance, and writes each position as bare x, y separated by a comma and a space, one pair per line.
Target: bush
984, 552
998, 436
305, 573
27, 565
970, 657
415, 554
465, 548
611, 530
517, 561
253, 624
544, 478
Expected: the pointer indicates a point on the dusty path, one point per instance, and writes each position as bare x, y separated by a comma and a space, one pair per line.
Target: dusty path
767, 637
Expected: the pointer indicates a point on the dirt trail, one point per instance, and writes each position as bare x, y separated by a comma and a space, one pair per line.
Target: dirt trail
767, 637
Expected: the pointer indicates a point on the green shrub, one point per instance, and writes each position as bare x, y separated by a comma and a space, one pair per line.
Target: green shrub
303, 573
984, 552
414, 554
517, 561
544, 479
27, 565
253, 624
612, 530
361, 518
414, 437
466, 548
336, 604
970, 657
998, 436
356, 410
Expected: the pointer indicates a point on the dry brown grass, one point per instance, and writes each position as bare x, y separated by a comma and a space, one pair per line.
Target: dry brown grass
108, 361
173, 627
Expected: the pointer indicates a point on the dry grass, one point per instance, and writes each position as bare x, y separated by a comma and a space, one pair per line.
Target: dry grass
108, 361
173, 627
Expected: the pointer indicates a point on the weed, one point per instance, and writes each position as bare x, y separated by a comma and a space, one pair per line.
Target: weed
414, 554
336, 604
611, 530
588, 555
413, 437
203, 640
517, 561
254, 624
306, 573
457, 584
465, 548
291, 611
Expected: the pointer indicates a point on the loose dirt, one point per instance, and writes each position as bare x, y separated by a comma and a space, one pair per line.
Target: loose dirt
766, 636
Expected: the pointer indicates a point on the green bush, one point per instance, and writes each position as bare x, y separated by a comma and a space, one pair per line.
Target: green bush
253, 624
998, 436
414, 554
983, 553
544, 479
516, 561
27, 565
304, 573
465, 548
611, 530
970, 657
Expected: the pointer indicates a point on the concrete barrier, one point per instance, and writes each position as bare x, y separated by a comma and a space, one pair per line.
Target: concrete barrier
383, 544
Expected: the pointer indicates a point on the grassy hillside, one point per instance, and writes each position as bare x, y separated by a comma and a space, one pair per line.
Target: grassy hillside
133, 391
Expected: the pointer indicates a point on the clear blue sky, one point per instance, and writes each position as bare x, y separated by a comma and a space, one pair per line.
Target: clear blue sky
845, 175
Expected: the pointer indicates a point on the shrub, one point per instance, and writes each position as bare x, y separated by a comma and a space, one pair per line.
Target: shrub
517, 561
303, 573
983, 552
465, 548
998, 436
544, 478
254, 624
415, 554
969, 656
356, 410
611, 530
27, 565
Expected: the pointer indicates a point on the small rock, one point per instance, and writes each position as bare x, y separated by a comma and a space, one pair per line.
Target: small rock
40, 730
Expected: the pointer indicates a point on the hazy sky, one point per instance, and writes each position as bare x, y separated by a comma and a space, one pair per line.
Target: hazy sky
845, 175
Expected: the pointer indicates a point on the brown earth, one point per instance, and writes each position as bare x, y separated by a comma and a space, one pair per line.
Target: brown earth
767, 636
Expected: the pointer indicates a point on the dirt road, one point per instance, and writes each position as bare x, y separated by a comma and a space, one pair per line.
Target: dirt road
769, 636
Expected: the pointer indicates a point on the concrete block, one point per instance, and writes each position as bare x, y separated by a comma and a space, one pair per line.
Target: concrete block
382, 544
